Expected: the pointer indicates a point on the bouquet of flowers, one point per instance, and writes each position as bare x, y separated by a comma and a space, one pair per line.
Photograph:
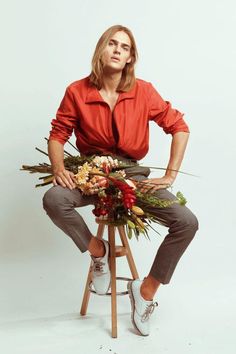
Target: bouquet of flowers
119, 197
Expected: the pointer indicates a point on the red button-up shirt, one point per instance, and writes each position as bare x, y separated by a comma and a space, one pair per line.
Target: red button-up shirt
125, 131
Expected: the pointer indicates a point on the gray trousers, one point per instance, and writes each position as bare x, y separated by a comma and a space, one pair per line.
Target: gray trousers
60, 203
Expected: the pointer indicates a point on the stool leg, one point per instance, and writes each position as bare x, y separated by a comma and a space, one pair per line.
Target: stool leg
86, 296
129, 256
111, 239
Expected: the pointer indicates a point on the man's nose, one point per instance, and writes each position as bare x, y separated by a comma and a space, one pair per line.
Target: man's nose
117, 49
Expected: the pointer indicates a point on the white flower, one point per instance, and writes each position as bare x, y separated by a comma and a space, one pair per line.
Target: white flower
97, 161
108, 160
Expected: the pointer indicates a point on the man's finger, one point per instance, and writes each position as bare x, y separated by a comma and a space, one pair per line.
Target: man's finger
54, 182
163, 186
60, 181
72, 183
68, 183
68, 180
148, 187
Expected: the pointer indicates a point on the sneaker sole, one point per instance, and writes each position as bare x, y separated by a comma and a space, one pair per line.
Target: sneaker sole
129, 287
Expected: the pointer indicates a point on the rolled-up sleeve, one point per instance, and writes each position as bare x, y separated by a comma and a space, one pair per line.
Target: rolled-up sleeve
66, 119
162, 112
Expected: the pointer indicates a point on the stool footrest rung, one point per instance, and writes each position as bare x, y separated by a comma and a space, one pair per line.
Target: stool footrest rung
120, 251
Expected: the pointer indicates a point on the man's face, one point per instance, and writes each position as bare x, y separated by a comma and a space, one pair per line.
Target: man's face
117, 52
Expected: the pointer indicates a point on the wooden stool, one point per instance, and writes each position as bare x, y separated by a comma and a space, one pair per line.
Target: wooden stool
115, 251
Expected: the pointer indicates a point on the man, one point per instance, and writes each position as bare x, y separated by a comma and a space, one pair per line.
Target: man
109, 111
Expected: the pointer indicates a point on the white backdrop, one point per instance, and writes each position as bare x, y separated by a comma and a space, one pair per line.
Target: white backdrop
187, 50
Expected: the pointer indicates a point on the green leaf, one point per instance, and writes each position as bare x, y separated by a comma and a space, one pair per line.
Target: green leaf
181, 198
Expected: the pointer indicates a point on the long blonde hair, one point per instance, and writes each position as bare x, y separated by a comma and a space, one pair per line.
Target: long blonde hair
128, 75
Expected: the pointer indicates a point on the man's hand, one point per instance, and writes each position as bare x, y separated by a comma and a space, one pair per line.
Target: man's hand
153, 184
64, 178
61, 176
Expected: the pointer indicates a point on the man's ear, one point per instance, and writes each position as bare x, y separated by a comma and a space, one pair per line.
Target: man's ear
129, 60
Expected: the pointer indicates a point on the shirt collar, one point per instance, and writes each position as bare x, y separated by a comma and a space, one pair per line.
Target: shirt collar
93, 95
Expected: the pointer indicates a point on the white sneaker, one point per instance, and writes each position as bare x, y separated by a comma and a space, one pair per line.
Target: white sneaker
141, 308
101, 276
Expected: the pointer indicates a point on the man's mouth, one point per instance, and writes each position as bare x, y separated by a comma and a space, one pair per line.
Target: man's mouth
115, 58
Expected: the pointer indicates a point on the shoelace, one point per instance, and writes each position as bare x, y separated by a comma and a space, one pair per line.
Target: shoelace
98, 266
148, 311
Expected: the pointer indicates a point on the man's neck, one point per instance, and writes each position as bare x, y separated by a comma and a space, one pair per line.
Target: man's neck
111, 82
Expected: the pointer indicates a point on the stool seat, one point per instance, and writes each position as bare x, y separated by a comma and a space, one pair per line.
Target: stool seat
115, 251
